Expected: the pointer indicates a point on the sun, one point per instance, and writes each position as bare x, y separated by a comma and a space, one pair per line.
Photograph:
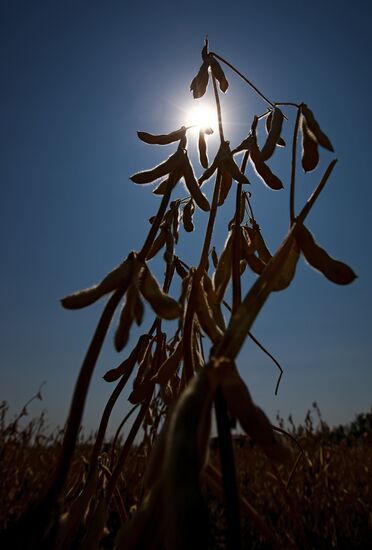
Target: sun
201, 117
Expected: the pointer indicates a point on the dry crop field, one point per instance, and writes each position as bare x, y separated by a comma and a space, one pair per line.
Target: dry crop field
328, 502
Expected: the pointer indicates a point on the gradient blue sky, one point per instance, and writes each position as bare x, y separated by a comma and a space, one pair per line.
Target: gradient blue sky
78, 80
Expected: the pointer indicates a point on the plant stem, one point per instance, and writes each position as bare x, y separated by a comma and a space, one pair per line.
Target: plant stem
223, 423
293, 170
127, 446
81, 391
211, 221
241, 322
243, 78
156, 223
236, 286
228, 473
287, 103
218, 106
310, 202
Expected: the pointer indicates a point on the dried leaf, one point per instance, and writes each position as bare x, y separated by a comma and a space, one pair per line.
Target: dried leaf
202, 148
314, 128
162, 139
310, 153
118, 278
200, 82
187, 215
317, 257
193, 186
276, 122
169, 165
163, 305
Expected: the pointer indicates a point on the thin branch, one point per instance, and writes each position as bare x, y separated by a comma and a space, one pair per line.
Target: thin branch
245, 80
310, 203
218, 106
293, 169
262, 348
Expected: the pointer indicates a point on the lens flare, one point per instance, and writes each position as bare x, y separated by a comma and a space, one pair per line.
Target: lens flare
202, 116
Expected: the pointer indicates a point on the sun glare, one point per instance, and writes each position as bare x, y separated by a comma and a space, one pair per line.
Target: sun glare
202, 116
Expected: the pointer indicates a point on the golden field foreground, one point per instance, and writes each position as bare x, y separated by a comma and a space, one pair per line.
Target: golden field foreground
327, 502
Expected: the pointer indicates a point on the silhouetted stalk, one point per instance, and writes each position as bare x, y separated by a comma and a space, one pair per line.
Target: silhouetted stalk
222, 417
311, 201
271, 357
81, 391
156, 223
126, 448
218, 107
120, 427
190, 310
243, 78
210, 227
293, 169
228, 473
240, 323
236, 286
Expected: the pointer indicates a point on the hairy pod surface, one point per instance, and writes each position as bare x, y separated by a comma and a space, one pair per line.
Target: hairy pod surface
336, 271
315, 129
276, 122
187, 214
200, 82
262, 170
310, 153
193, 186
172, 163
117, 278
202, 148
162, 139
163, 305
223, 271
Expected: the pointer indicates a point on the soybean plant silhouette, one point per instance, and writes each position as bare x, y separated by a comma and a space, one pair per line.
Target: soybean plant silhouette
179, 381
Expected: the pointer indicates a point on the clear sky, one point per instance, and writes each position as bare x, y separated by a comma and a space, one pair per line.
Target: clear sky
78, 79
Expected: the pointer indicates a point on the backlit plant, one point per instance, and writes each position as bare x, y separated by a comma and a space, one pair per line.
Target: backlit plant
179, 381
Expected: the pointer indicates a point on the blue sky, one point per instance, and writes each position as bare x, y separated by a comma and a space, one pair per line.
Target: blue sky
78, 80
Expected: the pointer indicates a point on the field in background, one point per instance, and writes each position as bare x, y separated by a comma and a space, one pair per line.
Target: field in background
330, 492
